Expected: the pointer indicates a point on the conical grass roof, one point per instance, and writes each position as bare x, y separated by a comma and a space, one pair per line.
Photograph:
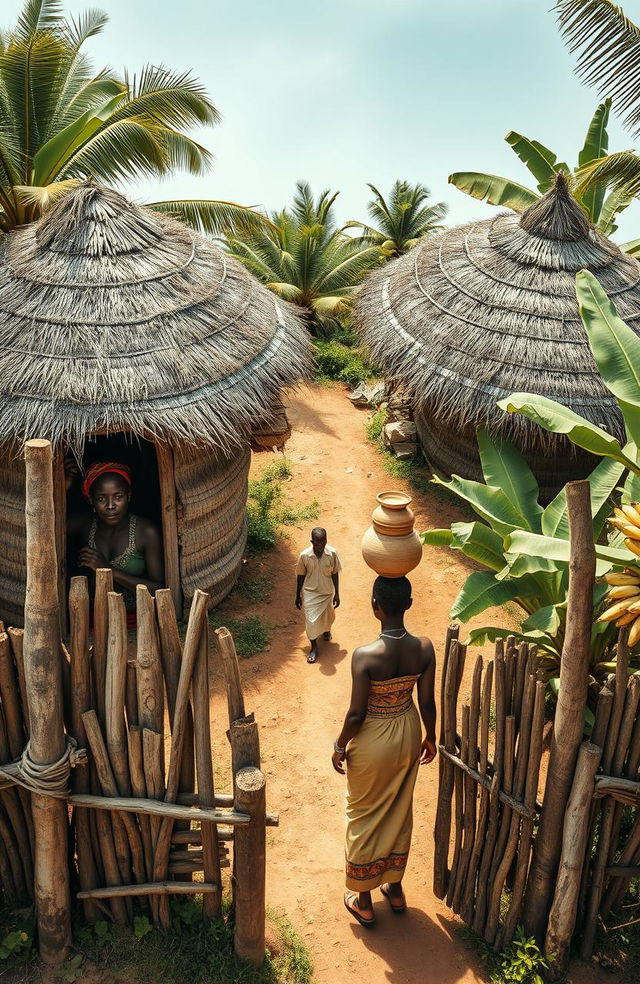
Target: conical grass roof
113, 317
488, 309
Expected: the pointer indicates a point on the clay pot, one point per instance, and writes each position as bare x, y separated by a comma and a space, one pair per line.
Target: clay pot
391, 546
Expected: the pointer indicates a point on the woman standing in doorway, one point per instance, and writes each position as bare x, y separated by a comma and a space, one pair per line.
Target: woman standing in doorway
114, 537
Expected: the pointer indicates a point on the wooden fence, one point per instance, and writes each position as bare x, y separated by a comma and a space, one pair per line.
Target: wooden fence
135, 721
488, 785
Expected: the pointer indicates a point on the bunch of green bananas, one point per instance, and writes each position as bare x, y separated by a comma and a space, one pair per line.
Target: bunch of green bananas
624, 593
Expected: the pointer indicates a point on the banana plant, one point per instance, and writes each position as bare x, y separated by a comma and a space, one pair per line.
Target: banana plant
507, 507
616, 351
543, 164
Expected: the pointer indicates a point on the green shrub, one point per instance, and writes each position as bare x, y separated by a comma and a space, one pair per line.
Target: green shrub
341, 363
250, 635
375, 426
267, 509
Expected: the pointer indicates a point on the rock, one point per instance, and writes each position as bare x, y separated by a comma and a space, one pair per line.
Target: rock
408, 449
399, 432
368, 394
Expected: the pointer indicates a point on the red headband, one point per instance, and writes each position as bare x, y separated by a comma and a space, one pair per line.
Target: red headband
99, 468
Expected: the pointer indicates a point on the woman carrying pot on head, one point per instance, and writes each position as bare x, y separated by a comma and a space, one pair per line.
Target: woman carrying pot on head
114, 537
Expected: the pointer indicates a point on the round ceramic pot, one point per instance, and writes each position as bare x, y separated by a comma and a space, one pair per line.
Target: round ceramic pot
391, 546
392, 515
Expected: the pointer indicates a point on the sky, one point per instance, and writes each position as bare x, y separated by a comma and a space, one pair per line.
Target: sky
345, 92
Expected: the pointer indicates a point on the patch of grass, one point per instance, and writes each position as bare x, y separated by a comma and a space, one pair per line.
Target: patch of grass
268, 509
250, 634
342, 363
194, 951
375, 425
255, 589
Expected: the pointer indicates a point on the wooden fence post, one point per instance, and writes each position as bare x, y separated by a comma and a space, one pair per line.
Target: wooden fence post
43, 674
562, 918
569, 718
250, 866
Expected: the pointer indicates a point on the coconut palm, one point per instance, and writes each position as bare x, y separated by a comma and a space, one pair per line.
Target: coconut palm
602, 208
402, 220
61, 122
304, 258
607, 44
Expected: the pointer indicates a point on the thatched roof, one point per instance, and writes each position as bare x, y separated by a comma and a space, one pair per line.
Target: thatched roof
113, 317
488, 309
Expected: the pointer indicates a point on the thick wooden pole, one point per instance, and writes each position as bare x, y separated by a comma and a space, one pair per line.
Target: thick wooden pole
43, 675
569, 718
250, 866
204, 770
81, 702
562, 918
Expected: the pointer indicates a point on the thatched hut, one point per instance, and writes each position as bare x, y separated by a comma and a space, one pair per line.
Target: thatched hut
488, 309
125, 335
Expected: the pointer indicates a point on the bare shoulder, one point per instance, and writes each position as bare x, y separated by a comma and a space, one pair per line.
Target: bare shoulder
147, 533
428, 653
363, 656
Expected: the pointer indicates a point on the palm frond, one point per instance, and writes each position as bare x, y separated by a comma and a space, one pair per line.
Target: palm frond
178, 100
621, 171
38, 15
217, 218
607, 43
44, 196
86, 25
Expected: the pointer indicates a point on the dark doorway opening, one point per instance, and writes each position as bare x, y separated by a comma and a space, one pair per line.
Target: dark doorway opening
140, 456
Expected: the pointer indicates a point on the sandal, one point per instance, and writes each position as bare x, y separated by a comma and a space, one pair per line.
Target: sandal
312, 657
398, 909
354, 911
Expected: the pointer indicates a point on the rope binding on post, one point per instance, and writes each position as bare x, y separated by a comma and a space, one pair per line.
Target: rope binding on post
48, 780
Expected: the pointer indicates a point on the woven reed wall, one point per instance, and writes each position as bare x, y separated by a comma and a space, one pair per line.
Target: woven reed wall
457, 454
13, 538
212, 528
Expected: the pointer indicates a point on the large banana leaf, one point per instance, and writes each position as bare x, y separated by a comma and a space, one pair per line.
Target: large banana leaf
493, 189
631, 488
602, 482
616, 202
595, 146
504, 468
559, 419
541, 161
481, 591
489, 633
437, 538
490, 504
615, 347
517, 565
553, 548
479, 543
632, 247
545, 621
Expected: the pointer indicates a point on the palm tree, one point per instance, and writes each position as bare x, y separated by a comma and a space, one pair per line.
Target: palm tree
402, 221
602, 208
304, 258
608, 48
61, 122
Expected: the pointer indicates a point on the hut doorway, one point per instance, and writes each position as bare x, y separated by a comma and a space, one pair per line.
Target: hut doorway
153, 495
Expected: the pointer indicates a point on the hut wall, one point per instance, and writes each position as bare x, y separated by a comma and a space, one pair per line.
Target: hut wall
212, 521
13, 538
451, 453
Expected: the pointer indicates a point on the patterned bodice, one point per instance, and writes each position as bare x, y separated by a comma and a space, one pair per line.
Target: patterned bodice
390, 697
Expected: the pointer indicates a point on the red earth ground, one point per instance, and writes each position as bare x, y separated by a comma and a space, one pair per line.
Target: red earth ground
300, 708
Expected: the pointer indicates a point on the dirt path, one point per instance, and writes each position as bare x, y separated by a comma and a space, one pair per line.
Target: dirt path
300, 709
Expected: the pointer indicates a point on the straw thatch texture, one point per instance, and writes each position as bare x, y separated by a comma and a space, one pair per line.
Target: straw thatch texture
13, 540
113, 317
487, 309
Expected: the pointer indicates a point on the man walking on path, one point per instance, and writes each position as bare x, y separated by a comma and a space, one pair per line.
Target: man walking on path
317, 588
